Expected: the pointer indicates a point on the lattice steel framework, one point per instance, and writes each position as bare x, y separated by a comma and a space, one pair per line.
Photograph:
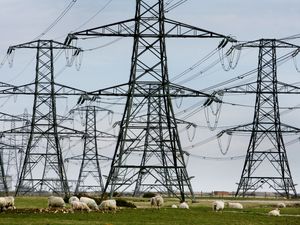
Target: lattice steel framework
10, 148
266, 161
3, 183
148, 155
90, 176
43, 168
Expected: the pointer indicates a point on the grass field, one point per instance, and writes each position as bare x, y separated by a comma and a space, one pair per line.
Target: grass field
255, 212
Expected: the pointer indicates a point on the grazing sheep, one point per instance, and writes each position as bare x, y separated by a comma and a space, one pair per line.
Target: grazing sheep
183, 205
56, 202
157, 201
235, 205
76, 205
10, 202
218, 205
274, 212
2, 204
174, 206
90, 202
281, 205
109, 204
72, 199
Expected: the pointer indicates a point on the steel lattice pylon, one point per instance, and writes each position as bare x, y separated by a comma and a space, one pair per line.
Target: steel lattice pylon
3, 183
148, 155
90, 177
266, 160
43, 168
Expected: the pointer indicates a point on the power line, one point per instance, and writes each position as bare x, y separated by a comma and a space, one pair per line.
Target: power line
61, 15
92, 17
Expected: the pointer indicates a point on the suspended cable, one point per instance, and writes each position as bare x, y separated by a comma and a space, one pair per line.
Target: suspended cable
104, 45
61, 15
92, 17
224, 152
195, 65
239, 157
295, 36
169, 6
191, 137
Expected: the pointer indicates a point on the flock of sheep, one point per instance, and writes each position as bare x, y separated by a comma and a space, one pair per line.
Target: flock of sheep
89, 204
218, 205
82, 204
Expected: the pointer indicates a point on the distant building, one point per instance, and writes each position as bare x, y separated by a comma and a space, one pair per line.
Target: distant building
221, 193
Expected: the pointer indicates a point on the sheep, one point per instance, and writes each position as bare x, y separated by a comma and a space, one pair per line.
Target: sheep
72, 199
218, 205
157, 201
281, 205
183, 205
274, 212
2, 203
56, 202
77, 205
90, 202
235, 205
174, 206
109, 204
10, 202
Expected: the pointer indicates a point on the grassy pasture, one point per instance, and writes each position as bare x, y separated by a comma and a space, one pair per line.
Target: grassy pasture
255, 213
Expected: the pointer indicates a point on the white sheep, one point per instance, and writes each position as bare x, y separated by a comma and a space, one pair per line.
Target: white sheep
218, 205
77, 205
56, 202
109, 204
235, 205
281, 205
90, 202
10, 202
157, 201
72, 199
183, 205
274, 212
2, 203
174, 206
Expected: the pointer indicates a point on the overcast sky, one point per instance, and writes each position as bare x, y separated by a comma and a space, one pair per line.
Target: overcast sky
23, 21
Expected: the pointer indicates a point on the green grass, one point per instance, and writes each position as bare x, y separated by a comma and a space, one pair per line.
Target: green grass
200, 213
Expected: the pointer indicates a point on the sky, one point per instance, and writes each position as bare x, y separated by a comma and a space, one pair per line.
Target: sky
23, 21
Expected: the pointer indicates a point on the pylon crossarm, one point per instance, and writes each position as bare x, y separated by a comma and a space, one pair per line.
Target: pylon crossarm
289, 129
102, 134
79, 157
251, 88
10, 118
265, 43
85, 108
6, 85
284, 88
174, 29
61, 89
28, 89
241, 128
123, 28
42, 44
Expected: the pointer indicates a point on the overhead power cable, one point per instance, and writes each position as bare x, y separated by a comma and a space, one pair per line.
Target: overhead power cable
61, 15
239, 157
93, 16
169, 5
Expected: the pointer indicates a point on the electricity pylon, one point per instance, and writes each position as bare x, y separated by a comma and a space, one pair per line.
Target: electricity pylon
43, 168
148, 154
266, 160
90, 176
